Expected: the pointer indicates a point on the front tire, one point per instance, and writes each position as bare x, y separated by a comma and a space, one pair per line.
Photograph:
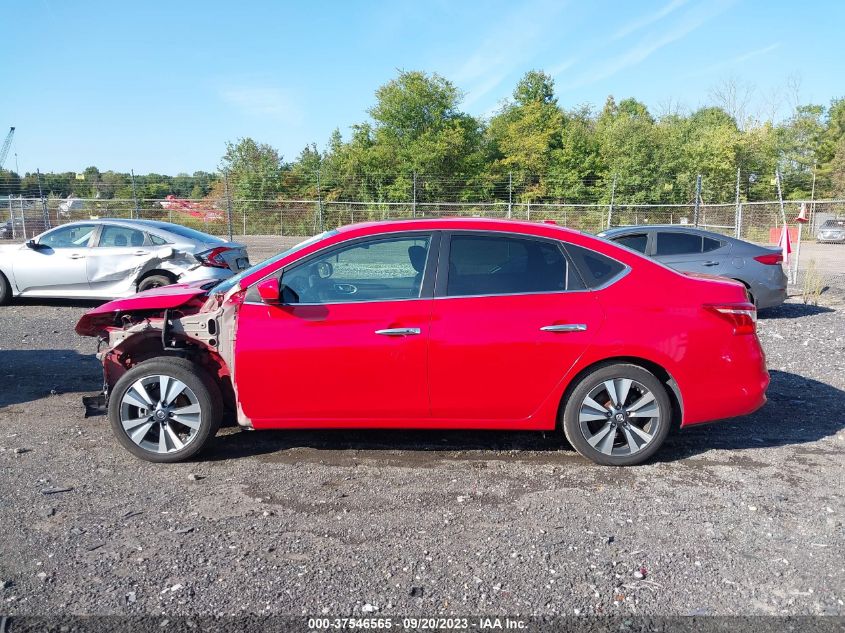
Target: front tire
617, 415
165, 409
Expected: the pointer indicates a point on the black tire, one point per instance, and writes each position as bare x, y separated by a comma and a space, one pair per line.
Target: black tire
154, 281
657, 427
5, 290
200, 385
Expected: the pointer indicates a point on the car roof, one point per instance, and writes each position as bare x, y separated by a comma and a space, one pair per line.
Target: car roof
679, 228
456, 223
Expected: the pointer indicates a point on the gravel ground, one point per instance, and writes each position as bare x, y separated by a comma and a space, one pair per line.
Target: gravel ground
740, 517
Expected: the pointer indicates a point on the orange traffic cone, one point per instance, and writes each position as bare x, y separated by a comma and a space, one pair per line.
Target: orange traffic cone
802, 215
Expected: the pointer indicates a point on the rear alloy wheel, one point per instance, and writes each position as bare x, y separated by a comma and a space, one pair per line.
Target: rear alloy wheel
165, 409
618, 415
154, 281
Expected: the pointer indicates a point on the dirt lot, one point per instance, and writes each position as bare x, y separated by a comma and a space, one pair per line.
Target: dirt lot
745, 516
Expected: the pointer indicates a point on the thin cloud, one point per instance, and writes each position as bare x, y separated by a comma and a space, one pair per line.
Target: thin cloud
691, 21
641, 23
506, 48
744, 57
262, 102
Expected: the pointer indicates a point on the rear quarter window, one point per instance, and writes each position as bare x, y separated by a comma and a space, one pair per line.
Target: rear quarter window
636, 242
596, 269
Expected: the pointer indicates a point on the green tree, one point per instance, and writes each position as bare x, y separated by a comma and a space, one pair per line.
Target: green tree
254, 172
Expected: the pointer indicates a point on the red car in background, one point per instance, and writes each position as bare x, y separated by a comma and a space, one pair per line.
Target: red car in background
448, 323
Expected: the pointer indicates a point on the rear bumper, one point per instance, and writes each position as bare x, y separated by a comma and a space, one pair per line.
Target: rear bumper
769, 297
736, 387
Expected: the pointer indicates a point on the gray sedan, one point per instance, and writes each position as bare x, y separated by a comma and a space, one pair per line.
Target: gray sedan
107, 259
693, 250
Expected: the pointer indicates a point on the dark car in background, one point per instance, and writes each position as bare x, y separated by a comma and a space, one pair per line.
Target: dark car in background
692, 250
832, 232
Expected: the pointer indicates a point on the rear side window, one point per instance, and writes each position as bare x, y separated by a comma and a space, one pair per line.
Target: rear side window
596, 269
709, 244
120, 236
637, 242
496, 265
677, 244
158, 241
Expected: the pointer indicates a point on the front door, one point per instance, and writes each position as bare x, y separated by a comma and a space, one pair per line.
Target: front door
57, 266
348, 348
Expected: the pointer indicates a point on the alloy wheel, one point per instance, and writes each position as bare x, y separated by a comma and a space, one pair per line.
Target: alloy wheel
160, 414
619, 417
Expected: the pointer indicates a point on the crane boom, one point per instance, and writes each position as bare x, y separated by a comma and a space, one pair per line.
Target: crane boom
6, 144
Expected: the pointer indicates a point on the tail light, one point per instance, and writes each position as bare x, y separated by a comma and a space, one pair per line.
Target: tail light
742, 316
771, 260
214, 257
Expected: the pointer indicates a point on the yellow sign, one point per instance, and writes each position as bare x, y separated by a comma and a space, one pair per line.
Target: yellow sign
80, 176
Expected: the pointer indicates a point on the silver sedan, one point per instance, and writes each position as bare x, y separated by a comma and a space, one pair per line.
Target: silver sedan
693, 250
108, 259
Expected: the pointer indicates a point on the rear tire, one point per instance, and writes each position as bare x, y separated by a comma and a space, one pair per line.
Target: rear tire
617, 415
165, 409
5, 290
154, 281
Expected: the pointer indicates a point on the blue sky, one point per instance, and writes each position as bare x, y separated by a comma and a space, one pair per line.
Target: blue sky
161, 86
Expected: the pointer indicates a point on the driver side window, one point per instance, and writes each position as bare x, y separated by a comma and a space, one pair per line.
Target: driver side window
383, 269
72, 236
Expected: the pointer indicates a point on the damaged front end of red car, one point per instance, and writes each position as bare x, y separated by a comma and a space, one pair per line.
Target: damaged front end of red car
182, 320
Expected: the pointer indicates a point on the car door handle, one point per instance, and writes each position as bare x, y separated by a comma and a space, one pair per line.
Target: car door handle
565, 327
76, 256
399, 331
140, 253
711, 263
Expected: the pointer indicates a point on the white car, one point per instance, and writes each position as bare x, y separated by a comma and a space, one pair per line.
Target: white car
109, 259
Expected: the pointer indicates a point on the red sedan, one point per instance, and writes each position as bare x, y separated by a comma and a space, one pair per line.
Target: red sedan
452, 323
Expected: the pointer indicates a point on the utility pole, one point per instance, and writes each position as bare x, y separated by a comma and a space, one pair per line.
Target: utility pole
738, 211
228, 202
135, 195
319, 203
43, 203
612, 195
414, 203
801, 225
780, 197
697, 200
510, 194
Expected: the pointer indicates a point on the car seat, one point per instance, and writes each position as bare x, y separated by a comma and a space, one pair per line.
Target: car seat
417, 256
137, 239
120, 240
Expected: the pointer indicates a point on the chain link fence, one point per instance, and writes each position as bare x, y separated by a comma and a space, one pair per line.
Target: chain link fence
760, 222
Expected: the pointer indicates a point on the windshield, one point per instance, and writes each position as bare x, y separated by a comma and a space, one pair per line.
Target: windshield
231, 282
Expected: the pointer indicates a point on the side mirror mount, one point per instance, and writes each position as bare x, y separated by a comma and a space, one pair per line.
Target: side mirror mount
268, 290
31, 244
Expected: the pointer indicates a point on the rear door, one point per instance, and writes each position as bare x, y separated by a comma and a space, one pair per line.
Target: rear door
116, 260
348, 346
691, 252
508, 321
58, 266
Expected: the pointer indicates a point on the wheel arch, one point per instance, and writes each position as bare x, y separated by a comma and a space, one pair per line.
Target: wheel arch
148, 345
156, 271
662, 374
